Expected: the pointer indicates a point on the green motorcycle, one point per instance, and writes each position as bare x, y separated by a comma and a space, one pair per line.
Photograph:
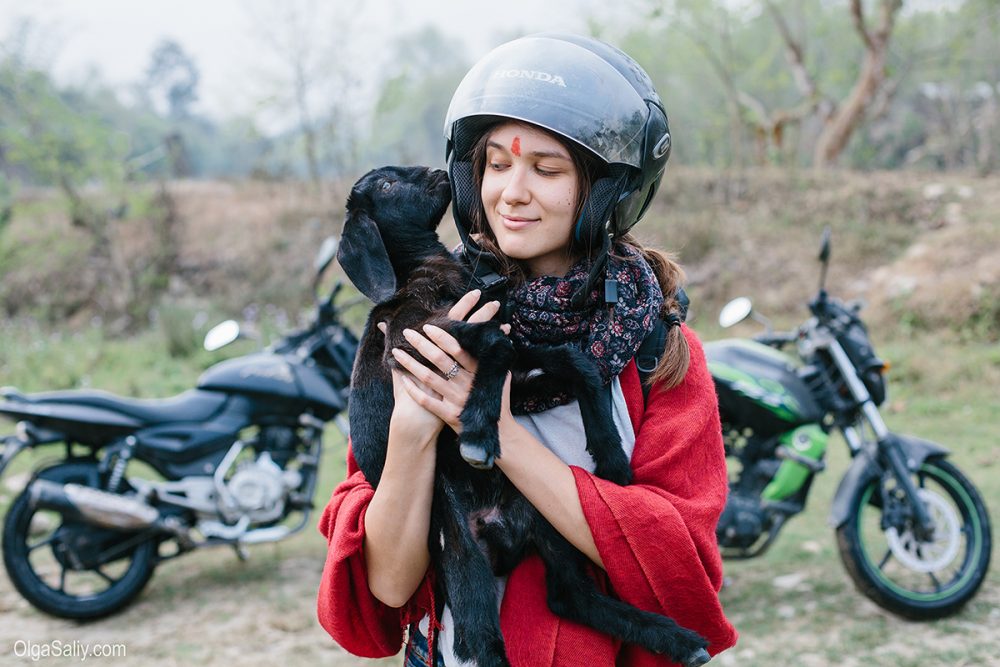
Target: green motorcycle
912, 530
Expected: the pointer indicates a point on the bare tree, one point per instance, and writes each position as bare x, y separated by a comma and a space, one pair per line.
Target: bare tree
872, 88
871, 78
312, 43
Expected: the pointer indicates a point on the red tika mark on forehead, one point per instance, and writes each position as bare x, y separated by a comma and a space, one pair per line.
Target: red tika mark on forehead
515, 146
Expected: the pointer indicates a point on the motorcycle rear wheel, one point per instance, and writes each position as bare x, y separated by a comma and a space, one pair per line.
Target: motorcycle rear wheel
69, 571
919, 580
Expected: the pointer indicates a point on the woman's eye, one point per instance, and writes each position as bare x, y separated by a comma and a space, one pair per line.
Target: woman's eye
386, 185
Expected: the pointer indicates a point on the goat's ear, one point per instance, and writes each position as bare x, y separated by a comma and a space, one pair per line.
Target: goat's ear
364, 258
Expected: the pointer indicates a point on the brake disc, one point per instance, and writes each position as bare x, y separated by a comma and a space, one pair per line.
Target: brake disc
934, 554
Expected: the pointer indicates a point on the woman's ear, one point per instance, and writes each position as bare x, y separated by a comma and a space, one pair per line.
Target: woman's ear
363, 256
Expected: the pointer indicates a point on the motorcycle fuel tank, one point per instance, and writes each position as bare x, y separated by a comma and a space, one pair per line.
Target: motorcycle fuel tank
273, 375
759, 386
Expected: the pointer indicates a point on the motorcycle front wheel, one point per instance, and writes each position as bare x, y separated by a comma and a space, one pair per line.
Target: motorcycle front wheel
68, 568
913, 578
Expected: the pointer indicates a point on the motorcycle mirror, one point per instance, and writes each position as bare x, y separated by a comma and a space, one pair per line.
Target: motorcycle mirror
222, 334
824, 256
824, 246
735, 312
327, 252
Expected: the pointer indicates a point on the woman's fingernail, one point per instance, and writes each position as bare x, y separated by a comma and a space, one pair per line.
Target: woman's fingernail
396, 352
430, 328
408, 332
495, 304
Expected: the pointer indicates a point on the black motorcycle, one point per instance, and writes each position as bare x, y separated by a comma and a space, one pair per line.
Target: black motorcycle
912, 530
238, 456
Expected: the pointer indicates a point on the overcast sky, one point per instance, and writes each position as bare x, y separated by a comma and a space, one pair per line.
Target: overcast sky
117, 36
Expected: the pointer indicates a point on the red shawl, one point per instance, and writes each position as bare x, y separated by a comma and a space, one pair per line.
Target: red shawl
655, 536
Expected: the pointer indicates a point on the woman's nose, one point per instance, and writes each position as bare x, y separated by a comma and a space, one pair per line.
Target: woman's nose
516, 189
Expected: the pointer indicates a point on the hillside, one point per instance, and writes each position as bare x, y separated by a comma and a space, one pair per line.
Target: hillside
922, 249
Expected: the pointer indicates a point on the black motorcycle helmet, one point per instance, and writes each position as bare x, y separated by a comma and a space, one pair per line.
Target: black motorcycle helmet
583, 90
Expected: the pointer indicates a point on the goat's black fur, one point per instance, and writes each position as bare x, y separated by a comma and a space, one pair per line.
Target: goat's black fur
391, 252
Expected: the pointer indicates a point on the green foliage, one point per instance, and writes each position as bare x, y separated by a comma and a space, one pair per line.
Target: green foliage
410, 110
53, 136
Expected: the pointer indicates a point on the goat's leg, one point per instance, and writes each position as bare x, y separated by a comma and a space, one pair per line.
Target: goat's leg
479, 443
579, 374
573, 595
471, 591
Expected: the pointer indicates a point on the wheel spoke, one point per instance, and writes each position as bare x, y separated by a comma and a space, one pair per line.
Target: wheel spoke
41, 543
934, 580
62, 580
885, 559
104, 576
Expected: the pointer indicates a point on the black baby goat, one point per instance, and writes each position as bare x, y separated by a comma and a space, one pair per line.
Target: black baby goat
391, 252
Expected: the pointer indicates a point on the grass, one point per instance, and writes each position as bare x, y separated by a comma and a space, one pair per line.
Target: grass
942, 387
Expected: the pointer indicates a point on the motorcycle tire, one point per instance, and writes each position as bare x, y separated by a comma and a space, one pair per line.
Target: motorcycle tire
41, 568
917, 580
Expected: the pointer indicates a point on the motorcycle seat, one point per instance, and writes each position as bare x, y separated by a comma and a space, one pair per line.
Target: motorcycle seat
191, 406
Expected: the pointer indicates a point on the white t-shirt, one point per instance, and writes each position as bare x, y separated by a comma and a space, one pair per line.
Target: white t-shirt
561, 431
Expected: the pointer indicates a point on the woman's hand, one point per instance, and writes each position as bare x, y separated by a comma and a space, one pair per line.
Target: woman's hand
408, 416
444, 397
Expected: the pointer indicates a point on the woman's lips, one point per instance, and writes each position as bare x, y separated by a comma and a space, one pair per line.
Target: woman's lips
515, 223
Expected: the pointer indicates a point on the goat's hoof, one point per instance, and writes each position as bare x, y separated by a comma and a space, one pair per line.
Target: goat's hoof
476, 456
699, 657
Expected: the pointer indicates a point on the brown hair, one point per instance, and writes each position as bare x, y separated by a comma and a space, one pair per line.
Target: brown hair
676, 357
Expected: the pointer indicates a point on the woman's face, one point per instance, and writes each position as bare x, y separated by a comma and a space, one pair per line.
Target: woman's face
530, 191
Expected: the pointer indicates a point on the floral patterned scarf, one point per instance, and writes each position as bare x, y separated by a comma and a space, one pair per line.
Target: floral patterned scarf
543, 313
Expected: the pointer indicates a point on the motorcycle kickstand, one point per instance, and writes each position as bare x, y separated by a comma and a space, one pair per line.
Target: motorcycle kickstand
241, 551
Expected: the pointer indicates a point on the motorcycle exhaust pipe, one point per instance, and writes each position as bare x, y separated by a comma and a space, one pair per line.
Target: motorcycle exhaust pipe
93, 506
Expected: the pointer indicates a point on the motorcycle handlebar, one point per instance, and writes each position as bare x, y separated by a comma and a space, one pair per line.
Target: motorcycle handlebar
776, 339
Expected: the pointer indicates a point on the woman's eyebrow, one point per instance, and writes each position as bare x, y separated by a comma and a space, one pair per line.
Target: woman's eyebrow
551, 154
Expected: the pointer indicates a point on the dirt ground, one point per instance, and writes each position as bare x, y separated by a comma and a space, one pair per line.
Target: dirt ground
205, 609
211, 609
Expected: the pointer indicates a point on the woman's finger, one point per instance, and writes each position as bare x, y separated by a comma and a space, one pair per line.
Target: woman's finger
451, 346
432, 402
420, 386
434, 354
431, 379
464, 305
486, 313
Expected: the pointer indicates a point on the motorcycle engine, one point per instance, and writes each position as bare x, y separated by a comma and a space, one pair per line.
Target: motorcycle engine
258, 489
742, 522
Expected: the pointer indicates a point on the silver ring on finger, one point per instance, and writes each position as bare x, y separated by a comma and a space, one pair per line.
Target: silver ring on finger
453, 371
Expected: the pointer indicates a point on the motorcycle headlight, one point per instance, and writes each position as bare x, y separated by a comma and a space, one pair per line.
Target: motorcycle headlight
874, 379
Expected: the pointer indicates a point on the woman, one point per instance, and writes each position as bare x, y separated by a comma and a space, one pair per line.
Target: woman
557, 144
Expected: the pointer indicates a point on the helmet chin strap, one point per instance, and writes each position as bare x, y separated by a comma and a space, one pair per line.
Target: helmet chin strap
594, 222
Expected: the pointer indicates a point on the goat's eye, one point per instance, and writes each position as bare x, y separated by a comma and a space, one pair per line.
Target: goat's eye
386, 185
